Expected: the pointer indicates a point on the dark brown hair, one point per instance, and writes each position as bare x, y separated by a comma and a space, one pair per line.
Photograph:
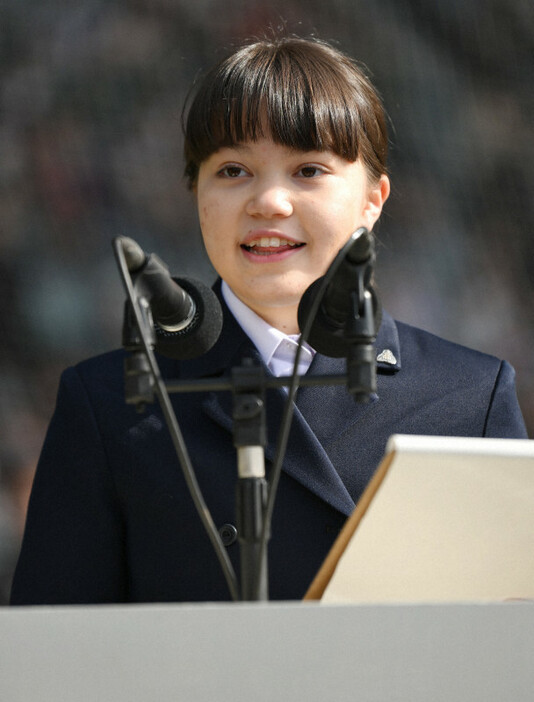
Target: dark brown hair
303, 92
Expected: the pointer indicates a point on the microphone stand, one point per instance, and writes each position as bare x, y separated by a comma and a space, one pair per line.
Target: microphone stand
360, 334
361, 321
251, 495
145, 366
254, 496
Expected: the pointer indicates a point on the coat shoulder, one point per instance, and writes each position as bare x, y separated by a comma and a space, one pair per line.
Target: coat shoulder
425, 348
458, 390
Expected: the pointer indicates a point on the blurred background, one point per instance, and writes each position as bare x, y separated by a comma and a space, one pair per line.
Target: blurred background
91, 94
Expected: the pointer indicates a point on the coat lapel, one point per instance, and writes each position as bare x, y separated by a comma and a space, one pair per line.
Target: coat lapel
305, 459
320, 416
330, 410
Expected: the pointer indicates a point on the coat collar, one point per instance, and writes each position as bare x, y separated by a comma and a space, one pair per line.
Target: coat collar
387, 345
312, 431
233, 342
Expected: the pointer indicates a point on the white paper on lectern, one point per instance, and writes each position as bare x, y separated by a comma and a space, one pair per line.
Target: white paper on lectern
452, 520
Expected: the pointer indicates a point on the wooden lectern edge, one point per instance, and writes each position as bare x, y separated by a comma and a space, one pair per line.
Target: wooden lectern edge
325, 572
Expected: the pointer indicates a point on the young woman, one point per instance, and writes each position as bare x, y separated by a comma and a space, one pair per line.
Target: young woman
285, 147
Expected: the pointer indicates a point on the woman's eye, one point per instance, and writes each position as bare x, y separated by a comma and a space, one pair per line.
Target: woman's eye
232, 172
309, 171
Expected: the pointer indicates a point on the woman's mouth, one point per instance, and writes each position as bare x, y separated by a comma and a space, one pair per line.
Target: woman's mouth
270, 245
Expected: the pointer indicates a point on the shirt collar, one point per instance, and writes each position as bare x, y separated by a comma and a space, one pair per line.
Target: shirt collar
265, 338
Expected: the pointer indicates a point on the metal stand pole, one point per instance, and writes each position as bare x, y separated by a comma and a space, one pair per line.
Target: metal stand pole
251, 497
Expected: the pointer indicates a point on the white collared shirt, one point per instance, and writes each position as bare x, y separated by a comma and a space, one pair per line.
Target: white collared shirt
276, 348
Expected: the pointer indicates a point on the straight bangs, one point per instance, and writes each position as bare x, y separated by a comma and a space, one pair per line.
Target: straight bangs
296, 92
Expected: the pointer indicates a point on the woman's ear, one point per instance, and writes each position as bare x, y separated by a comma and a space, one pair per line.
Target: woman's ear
377, 195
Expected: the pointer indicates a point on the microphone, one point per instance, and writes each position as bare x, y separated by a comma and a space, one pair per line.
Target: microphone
187, 314
328, 334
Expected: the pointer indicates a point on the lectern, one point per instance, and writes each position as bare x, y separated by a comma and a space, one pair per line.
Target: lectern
268, 652
383, 651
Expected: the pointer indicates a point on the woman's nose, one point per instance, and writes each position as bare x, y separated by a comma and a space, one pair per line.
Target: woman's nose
270, 200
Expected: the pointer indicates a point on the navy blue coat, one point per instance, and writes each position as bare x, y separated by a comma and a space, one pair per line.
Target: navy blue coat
110, 517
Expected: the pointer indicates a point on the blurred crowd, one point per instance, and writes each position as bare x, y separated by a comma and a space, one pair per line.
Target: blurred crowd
91, 94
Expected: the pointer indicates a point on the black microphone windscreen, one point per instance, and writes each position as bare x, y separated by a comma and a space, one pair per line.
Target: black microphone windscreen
324, 336
203, 331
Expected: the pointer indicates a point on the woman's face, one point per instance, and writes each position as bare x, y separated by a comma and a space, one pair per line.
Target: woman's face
273, 219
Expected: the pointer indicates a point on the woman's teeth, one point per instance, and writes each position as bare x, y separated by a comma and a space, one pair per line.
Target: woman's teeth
271, 242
